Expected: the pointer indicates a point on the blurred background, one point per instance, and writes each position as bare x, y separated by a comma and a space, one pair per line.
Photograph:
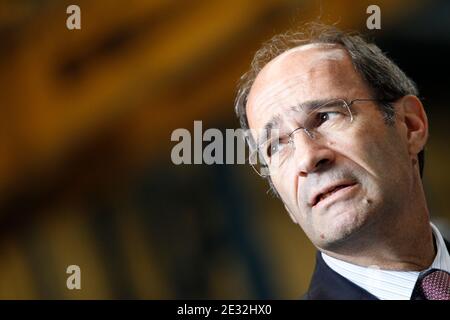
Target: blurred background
86, 117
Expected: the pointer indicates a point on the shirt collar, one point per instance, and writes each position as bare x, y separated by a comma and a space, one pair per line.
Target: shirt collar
387, 284
442, 259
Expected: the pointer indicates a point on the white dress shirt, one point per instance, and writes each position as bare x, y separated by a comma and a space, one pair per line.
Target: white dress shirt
385, 284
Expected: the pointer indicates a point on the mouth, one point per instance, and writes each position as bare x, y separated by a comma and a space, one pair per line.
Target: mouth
329, 191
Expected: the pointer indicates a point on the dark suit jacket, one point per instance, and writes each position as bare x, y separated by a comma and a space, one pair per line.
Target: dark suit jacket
327, 284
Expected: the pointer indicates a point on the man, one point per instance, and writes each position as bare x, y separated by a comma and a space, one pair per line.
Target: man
339, 132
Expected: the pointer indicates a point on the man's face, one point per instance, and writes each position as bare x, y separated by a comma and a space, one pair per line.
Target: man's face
365, 166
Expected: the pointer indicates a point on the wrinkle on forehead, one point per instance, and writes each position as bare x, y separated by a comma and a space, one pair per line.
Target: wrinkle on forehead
281, 89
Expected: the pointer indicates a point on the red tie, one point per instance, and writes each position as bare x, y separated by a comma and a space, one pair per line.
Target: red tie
434, 285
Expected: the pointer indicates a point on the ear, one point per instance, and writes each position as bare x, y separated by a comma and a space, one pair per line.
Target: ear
290, 214
416, 123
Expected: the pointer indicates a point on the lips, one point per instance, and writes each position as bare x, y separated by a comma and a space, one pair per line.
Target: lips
326, 192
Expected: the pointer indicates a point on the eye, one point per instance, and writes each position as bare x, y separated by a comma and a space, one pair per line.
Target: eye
275, 146
272, 148
326, 116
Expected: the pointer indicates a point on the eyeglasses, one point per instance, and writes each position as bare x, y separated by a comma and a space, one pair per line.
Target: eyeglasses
321, 123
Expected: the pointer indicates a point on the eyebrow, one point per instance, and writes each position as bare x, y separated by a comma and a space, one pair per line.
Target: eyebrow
306, 107
311, 105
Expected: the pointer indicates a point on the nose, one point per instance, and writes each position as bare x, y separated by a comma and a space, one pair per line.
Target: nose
311, 154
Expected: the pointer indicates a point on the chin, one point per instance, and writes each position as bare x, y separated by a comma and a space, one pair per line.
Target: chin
340, 228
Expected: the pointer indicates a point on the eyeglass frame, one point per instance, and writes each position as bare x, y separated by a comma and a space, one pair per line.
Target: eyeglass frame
347, 105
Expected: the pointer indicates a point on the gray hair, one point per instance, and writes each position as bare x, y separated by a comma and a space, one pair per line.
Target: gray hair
386, 81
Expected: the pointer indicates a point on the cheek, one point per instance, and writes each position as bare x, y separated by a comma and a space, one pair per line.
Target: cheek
378, 153
364, 146
284, 183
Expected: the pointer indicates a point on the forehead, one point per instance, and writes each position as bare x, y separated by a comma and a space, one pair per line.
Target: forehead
306, 55
310, 72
